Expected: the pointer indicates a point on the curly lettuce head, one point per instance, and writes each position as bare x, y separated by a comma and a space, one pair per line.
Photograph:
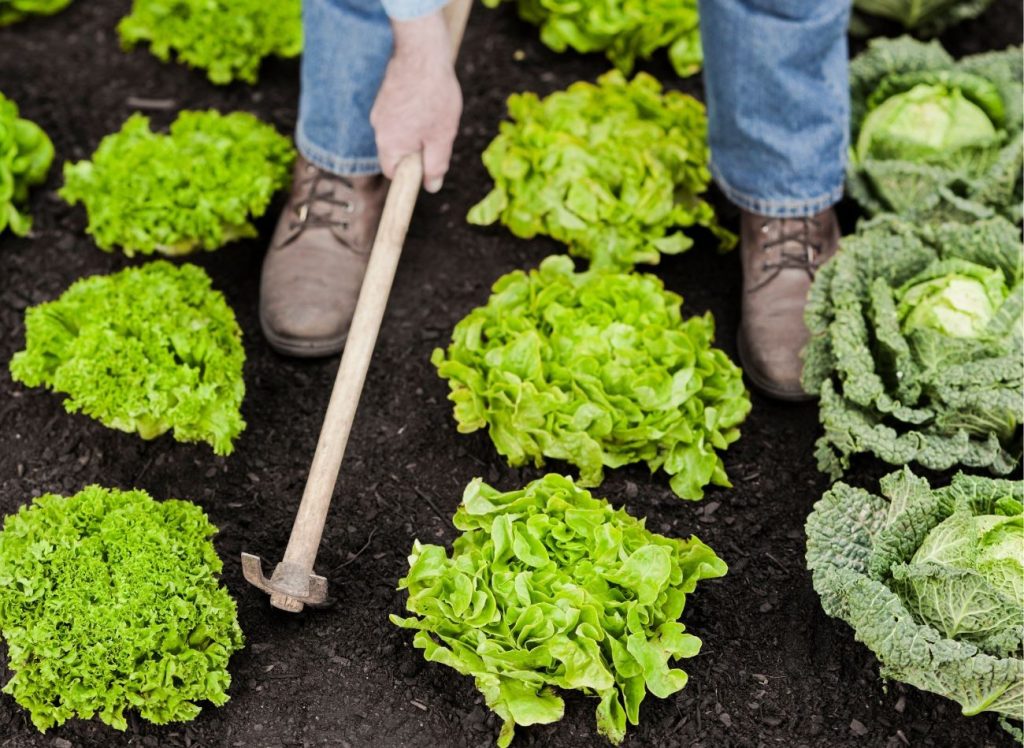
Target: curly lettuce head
12, 11
598, 369
227, 38
25, 157
109, 602
932, 581
936, 138
145, 350
548, 587
143, 192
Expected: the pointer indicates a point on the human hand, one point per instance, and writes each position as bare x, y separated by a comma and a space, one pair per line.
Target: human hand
419, 102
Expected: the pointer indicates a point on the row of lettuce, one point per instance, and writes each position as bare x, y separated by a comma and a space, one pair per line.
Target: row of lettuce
916, 353
230, 38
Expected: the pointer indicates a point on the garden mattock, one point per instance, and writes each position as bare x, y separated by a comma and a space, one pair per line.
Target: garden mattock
293, 584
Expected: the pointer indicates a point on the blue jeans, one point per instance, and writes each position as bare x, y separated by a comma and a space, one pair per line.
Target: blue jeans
775, 73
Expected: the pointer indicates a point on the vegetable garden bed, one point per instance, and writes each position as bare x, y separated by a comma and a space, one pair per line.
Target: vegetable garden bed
774, 669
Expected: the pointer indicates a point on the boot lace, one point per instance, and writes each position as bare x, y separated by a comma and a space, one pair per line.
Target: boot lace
320, 192
807, 233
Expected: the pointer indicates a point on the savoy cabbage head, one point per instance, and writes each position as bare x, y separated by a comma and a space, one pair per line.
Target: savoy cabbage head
932, 581
146, 350
917, 346
625, 30
109, 602
923, 17
551, 588
25, 157
598, 369
935, 138
227, 38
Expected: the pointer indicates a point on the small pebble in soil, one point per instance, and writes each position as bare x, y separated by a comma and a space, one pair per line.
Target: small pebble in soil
858, 728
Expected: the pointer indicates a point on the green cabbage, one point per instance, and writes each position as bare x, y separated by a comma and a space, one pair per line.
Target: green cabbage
623, 29
932, 581
109, 602
548, 587
12, 11
924, 17
917, 346
614, 170
25, 157
936, 139
144, 192
227, 38
145, 350
598, 369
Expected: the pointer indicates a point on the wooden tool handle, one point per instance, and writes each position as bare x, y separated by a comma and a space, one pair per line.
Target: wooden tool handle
348, 386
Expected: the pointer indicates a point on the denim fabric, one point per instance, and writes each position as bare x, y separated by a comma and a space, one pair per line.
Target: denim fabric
775, 72
347, 46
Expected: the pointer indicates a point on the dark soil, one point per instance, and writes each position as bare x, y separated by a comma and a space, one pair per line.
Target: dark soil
774, 669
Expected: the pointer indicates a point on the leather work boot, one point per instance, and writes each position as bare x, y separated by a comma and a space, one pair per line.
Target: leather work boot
317, 259
780, 257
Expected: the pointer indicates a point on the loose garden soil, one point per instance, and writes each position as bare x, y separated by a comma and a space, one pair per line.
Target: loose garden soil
774, 669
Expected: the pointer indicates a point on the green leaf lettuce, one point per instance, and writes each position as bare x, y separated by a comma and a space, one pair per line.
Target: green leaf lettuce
109, 602
25, 157
548, 587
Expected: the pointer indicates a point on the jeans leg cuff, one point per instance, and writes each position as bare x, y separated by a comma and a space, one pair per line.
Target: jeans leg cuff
778, 208
324, 159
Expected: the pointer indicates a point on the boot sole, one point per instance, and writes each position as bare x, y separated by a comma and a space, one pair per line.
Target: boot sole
301, 348
762, 384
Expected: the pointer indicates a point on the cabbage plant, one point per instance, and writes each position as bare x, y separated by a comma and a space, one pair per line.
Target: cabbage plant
196, 187
625, 30
146, 350
614, 170
916, 346
110, 603
25, 157
598, 369
933, 138
932, 581
227, 38
923, 17
551, 588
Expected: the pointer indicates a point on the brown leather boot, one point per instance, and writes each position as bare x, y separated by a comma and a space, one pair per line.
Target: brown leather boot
317, 259
780, 257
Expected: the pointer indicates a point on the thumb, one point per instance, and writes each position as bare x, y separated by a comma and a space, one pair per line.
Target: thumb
436, 157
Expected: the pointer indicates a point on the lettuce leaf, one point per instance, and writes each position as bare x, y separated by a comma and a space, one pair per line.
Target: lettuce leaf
548, 587
12, 11
145, 350
624, 30
931, 580
109, 602
908, 370
196, 187
599, 370
229, 39
614, 170
25, 157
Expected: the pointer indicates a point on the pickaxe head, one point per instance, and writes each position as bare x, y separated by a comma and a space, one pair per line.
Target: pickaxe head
291, 587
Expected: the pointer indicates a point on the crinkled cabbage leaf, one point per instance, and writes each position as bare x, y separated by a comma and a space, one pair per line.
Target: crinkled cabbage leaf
931, 580
923, 17
916, 346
